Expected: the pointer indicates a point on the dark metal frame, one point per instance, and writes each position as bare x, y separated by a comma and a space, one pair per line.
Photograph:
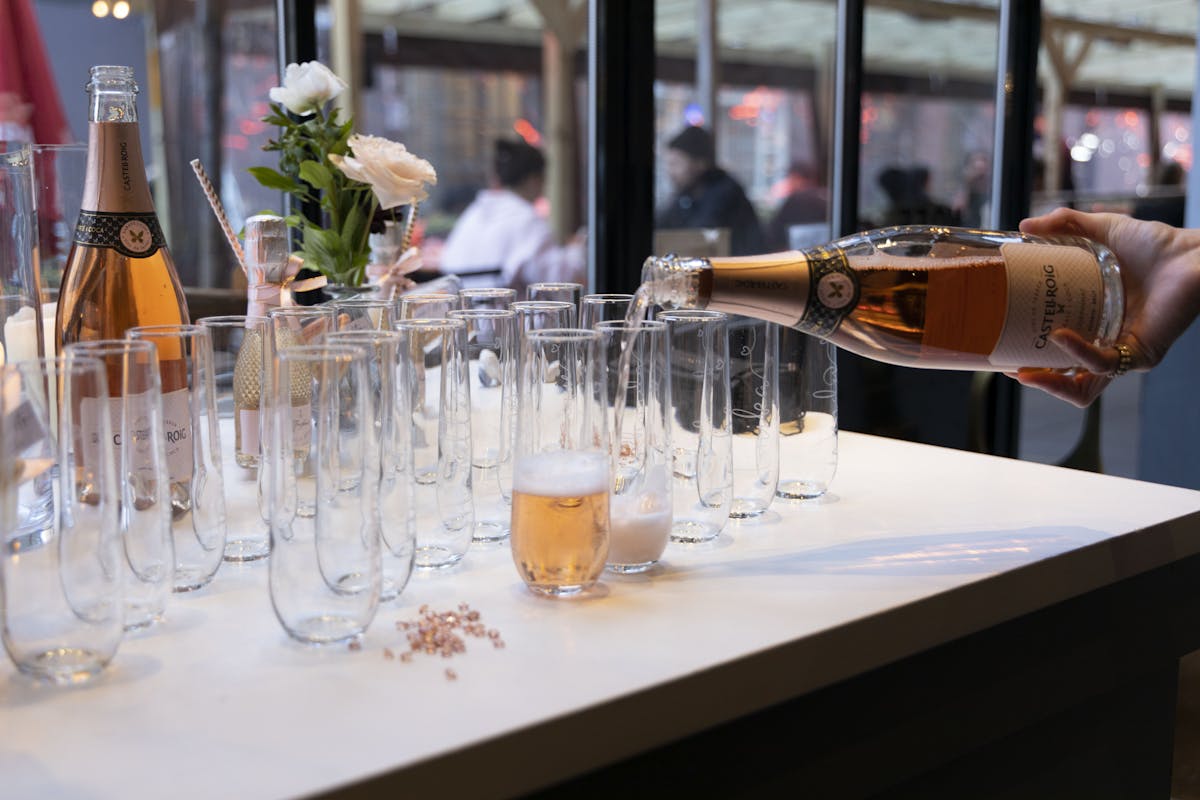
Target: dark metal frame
620, 213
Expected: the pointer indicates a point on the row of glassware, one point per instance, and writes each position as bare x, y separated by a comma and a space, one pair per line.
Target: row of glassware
354, 440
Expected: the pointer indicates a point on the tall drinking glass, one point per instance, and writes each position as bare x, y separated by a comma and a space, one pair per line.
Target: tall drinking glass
139, 437
701, 432
754, 394
58, 172
492, 297
193, 447
241, 355
61, 605
562, 477
537, 315
364, 313
433, 366
325, 550
392, 429
492, 366
809, 444
639, 429
23, 332
547, 290
434, 305
596, 308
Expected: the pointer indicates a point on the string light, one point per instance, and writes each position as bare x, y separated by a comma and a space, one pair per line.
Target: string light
100, 8
120, 9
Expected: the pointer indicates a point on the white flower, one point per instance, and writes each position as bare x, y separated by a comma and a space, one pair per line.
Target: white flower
397, 176
307, 87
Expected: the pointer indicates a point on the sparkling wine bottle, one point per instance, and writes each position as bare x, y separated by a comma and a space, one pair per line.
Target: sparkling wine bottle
921, 296
119, 273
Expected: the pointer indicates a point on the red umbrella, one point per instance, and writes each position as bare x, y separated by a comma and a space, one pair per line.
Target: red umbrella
25, 72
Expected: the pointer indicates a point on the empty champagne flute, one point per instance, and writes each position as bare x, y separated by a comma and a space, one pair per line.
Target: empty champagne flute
596, 308
61, 602
492, 367
241, 356
433, 367
135, 414
434, 305
487, 297
198, 521
556, 290
562, 476
754, 410
325, 571
364, 313
536, 315
392, 429
701, 431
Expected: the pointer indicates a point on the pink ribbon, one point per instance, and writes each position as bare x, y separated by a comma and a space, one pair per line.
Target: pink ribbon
263, 295
391, 277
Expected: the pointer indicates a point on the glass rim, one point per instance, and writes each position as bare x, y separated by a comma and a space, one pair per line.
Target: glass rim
556, 285
299, 311
220, 320
366, 302
482, 313
691, 315
72, 146
373, 335
486, 291
540, 305
181, 330
624, 325
612, 297
431, 323
106, 347
563, 335
333, 353
427, 297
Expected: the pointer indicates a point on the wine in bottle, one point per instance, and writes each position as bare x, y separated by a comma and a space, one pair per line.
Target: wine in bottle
920, 295
119, 273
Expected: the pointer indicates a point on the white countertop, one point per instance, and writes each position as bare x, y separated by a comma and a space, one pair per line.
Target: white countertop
917, 546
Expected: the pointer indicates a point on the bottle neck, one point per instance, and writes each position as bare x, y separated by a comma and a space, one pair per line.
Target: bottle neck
116, 175
112, 104
773, 287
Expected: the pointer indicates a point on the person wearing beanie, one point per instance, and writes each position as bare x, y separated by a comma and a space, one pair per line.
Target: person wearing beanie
501, 229
707, 196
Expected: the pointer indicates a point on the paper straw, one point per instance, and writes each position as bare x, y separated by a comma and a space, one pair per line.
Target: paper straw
409, 225
218, 210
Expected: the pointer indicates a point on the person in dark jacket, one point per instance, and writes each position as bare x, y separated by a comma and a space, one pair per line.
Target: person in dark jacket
707, 196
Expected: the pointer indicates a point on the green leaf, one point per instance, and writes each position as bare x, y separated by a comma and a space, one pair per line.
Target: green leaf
316, 175
273, 180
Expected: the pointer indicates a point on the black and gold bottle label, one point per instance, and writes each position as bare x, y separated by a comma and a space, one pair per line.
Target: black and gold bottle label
131, 235
832, 292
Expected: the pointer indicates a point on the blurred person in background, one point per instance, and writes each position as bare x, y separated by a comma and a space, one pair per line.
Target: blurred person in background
1167, 204
707, 196
804, 203
909, 200
502, 229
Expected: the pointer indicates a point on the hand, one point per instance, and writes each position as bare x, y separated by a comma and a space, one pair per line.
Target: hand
1160, 270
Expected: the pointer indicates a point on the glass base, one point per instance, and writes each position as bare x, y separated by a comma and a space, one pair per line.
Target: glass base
630, 569
325, 629
139, 617
691, 532
490, 532
800, 490
64, 665
435, 557
742, 508
560, 591
243, 551
189, 580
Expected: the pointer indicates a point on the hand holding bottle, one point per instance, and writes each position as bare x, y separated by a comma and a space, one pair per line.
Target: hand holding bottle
1160, 269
